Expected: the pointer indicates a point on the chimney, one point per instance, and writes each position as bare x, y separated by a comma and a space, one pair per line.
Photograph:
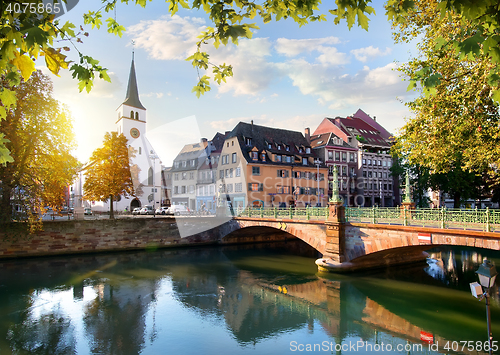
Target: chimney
204, 142
307, 133
375, 118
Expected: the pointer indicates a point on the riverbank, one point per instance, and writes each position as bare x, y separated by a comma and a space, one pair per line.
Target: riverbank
67, 237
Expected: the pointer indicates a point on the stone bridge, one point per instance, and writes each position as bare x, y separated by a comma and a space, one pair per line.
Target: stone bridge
353, 246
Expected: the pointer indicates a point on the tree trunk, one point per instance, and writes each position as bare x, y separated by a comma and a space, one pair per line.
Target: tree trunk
5, 204
456, 200
111, 212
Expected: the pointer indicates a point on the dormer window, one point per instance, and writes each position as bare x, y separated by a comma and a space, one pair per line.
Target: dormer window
308, 150
287, 148
301, 150
269, 146
279, 147
254, 155
248, 141
263, 156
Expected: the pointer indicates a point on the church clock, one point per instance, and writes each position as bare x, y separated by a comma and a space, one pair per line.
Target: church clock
134, 132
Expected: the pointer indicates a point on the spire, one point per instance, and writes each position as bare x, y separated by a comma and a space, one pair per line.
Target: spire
132, 98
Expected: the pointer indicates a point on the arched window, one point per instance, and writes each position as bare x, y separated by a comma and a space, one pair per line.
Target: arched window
132, 114
137, 115
150, 176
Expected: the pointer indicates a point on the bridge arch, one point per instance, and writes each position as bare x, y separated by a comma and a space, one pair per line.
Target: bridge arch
309, 232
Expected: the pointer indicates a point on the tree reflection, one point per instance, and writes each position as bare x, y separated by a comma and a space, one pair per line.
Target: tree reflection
47, 334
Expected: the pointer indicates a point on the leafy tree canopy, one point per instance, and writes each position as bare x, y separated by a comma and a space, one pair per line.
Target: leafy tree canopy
39, 136
108, 173
459, 121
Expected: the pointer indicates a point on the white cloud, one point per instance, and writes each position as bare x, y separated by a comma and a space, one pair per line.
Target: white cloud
363, 54
252, 72
331, 56
294, 47
169, 37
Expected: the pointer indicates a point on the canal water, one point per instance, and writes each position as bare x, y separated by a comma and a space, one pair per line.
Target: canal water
253, 299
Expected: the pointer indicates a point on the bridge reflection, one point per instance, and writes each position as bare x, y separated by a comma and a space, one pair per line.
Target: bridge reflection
118, 297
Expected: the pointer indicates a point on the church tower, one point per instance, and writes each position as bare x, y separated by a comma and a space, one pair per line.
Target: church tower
145, 165
131, 113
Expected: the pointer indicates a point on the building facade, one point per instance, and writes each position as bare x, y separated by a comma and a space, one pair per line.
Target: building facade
268, 167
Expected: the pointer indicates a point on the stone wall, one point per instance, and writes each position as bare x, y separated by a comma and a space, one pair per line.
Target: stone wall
71, 237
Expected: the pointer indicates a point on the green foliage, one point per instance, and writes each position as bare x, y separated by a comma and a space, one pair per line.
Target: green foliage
38, 133
457, 115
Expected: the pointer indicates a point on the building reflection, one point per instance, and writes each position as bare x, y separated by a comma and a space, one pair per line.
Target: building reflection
118, 296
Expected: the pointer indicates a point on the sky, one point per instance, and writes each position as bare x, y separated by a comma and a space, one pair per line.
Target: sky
286, 76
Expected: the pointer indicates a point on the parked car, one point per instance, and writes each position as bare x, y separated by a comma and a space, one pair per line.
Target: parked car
147, 210
162, 210
87, 211
136, 211
178, 210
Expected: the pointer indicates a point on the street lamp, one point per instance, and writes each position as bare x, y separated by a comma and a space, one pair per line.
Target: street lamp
317, 162
487, 274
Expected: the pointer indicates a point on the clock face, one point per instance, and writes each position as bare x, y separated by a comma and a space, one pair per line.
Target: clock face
134, 132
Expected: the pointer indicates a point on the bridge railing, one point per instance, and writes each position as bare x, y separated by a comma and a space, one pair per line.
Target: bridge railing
477, 219
483, 220
308, 213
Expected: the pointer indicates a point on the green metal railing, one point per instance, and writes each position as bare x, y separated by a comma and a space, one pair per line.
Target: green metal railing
477, 219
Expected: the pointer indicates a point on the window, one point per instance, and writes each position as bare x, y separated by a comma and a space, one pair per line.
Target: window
205, 190
304, 161
176, 164
137, 115
193, 162
231, 172
225, 159
238, 187
282, 189
364, 161
283, 173
140, 151
369, 174
227, 173
176, 176
227, 144
287, 148
344, 170
385, 186
364, 173
191, 175
184, 176
277, 158
384, 163
233, 158
183, 189
232, 143
330, 155
379, 163
279, 147
337, 156
221, 174
308, 150
254, 155
248, 141
390, 186
388, 163
380, 174
344, 156
352, 171
229, 187
263, 156
269, 146
132, 114
176, 190
385, 175
351, 157
253, 186
238, 172
200, 190
212, 190
255, 170
184, 163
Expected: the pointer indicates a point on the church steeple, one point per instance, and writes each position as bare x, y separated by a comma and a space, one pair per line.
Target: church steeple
132, 98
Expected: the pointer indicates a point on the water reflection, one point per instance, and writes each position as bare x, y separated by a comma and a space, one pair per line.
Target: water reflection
233, 300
